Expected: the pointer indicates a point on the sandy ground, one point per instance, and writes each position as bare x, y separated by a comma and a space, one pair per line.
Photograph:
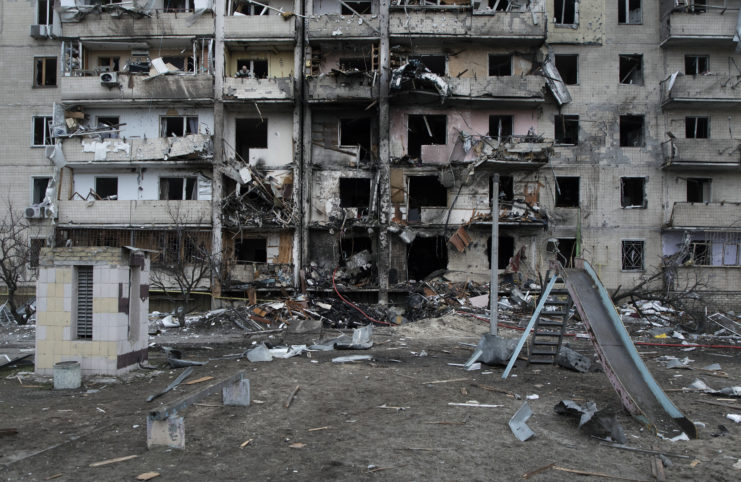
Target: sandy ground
384, 419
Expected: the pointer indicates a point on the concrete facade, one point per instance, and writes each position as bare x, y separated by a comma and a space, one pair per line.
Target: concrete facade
327, 147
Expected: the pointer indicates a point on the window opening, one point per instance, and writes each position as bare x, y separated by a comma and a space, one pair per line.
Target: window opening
361, 7
45, 72
183, 63
566, 129
84, 305
700, 253
44, 12
696, 64
499, 5
633, 192
564, 250
565, 12
631, 69
39, 189
506, 188
250, 134
629, 11
251, 250
357, 132
252, 68
631, 130
106, 187
178, 126
362, 64
176, 6
243, 8
632, 255
568, 67
354, 245
109, 64
425, 130
500, 126
42, 131
108, 122
500, 65
178, 189
435, 63
698, 190
567, 192
505, 253
425, 256
354, 192
696, 127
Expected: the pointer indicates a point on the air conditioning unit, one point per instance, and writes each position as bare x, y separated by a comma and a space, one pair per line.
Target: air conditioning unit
109, 78
34, 212
39, 31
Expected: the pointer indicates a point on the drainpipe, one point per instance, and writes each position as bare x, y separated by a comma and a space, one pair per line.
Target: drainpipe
494, 286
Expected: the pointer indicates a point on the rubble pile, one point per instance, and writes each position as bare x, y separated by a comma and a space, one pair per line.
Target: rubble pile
261, 200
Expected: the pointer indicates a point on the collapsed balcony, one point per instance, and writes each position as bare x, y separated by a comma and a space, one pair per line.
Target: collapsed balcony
716, 154
256, 198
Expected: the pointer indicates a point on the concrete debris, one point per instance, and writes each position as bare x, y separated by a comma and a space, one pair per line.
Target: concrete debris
701, 386
404, 76
361, 339
493, 350
591, 421
734, 417
573, 360
518, 423
351, 358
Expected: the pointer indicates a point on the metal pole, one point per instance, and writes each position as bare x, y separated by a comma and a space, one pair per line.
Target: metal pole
494, 286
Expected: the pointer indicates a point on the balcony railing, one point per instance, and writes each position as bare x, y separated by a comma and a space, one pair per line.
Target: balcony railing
340, 27
116, 24
723, 215
132, 87
197, 148
343, 87
708, 90
258, 89
688, 24
528, 87
274, 27
702, 154
139, 213
526, 27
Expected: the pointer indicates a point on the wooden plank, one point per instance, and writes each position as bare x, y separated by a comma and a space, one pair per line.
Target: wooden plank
285, 249
112, 461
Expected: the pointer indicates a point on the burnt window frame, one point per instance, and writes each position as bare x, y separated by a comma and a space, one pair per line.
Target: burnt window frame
439, 203
40, 78
563, 201
625, 4
561, 129
576, 64
344, 10
627, 263
364, 150
695, 62
629, 117
34, 251
693, 127
625, 76
644, 202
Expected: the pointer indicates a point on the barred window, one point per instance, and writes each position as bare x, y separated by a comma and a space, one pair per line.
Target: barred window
633, 255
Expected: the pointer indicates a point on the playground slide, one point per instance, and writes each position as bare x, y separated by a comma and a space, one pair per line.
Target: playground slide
638, 390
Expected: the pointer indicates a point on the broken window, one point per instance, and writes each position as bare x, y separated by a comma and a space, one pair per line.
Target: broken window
567, 192
186, 63
357, 133
178, 188
42, 131
500, 65
696, 127
35, 251
425, 256
631, 130
696, 64
632, 255
631, 69
426, 191
178, 125
566, 129
506, 188
251, 250
362, 64
425, 130
242, 7
700, 253
499, 5
250, 134
435, 63
568, 67
44, 12
565, 12
39, 189
564, 249
505, 252
252, 68
629, 12
106, 187
176, 5
109, 64
45, 72
698, 190
633, 192
500, 126
354, 245
354, 192
362, 7
83, 308
108, 122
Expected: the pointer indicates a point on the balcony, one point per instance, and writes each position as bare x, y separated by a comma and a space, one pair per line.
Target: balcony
196, 148
107, 25
269, 27
521, 88
714, 25
518, 27
342, 87
342, 27
522, 27
717, 154
275, 89
701, 91
704, 215
426, 22
133, 213
189, 88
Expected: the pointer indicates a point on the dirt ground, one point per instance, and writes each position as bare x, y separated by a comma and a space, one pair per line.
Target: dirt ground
384, 419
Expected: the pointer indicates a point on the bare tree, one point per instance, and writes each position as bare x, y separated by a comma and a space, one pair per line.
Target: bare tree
185, 264
15, 255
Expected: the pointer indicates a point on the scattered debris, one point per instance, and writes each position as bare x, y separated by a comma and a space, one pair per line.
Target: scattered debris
351, 358
292, 395
473, 403
592, 421
573, 360
518, 423
147, 476
113, 461
186, 373
734, 417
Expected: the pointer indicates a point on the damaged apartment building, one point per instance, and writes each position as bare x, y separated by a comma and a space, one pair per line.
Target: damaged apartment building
307, 144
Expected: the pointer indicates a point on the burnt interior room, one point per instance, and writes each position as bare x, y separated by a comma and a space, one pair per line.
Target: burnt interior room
506, 188
506, 250
251, 250
357, 132
425, 256
250, 134
425, 191
425, 130
354, 192
354, 244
